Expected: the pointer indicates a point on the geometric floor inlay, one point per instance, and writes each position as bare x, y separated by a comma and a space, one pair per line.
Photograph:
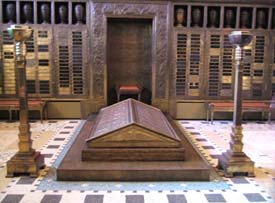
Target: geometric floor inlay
210, 140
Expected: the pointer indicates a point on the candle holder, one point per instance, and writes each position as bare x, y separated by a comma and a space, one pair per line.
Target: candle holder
26, 160
234, 161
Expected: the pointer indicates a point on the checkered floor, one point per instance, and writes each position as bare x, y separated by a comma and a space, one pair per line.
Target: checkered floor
210, 140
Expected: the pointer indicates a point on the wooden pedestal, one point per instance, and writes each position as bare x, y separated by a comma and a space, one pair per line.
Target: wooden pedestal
25, 164
237, 163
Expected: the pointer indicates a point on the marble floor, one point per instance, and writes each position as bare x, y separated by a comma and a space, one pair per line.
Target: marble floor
54, 137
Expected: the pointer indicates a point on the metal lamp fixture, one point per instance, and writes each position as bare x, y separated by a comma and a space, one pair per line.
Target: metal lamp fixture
26, 160
235, 161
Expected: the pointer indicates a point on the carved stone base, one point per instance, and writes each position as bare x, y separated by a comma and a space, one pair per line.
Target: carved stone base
72, 168
235, 164
133, 154
25, 164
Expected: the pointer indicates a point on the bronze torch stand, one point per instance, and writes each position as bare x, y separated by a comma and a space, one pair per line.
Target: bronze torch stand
26, 161
234, 161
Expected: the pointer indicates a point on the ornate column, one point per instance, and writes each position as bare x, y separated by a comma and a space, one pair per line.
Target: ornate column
235, 161
26, 160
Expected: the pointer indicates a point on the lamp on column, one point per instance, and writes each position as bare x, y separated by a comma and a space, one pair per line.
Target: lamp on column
235, 161
26, 160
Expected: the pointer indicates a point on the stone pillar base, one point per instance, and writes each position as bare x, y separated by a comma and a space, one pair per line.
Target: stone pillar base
28, 164
235, 164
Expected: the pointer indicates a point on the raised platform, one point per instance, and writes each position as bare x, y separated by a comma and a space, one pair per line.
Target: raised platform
72, 168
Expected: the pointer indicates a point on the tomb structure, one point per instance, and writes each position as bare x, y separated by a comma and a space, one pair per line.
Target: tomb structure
132, 130
131, 140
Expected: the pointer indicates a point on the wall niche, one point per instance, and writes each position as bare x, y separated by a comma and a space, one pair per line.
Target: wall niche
245, 20
26, 12
230, 14
9, 12
78, 13
44, 13
262, 18
197, 13
61, 13
180, 16
213, 17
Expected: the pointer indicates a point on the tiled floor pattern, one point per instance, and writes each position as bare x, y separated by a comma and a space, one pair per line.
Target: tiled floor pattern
210, 140
259, 140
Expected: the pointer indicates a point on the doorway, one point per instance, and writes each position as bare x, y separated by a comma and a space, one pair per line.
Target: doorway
129, 57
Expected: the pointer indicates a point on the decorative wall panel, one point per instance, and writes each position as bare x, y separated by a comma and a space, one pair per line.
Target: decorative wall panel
71, 59
1, 65
157, 12
255, 67
220, 65
38, 62
204, 57
195, 64
214, 65
181, 64
46, 75
63, 61
45, 60
189, 63
273, 66
227, 65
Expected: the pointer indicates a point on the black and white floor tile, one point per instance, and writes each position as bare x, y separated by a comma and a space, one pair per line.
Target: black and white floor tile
210, 140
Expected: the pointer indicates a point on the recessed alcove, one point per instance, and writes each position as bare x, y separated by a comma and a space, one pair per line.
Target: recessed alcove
246, 15
41, 7
129, 56
26, 10
230, 14
213, 17
8, 11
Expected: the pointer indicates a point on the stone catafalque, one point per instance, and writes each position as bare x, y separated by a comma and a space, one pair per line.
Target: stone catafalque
131, 140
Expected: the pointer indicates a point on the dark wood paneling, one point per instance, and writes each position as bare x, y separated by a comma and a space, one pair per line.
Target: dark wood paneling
216, 60
129, 58
45, 76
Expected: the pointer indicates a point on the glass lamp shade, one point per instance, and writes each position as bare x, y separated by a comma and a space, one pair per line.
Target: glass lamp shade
240, 38
20, 32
